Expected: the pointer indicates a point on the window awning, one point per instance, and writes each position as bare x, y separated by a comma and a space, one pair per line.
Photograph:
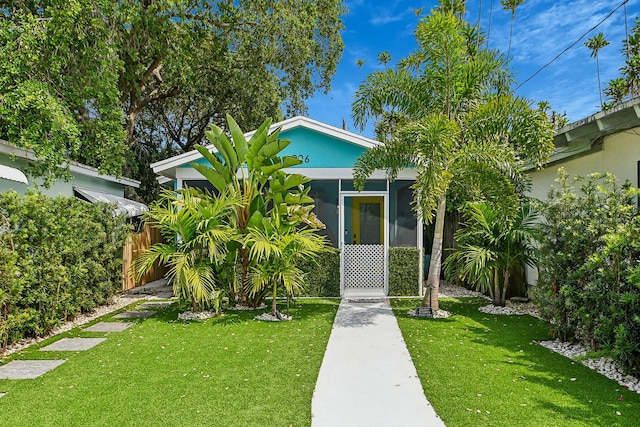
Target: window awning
12, 174
124, 206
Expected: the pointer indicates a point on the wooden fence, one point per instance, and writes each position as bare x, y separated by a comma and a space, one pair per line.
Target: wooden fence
134, 244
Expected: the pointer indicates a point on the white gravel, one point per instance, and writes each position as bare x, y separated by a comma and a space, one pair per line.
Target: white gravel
268, 317
605, 366
197, 315
117, 303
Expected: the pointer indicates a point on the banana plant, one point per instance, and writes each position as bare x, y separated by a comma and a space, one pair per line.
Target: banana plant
253, 169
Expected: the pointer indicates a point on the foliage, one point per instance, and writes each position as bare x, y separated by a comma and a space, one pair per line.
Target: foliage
91, 79
198, 228
491, 246
459, 125
589, 284
322, 274
275, 245
197, 373
626, 86
403, 271
594, 44
58, 257
272, 203
479, 369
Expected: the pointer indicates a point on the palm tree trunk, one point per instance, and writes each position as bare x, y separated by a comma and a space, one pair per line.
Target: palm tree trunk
433, 280
505, 286
599, 84
274, 305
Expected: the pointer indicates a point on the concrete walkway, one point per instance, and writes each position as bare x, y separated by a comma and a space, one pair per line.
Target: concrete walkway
367, 377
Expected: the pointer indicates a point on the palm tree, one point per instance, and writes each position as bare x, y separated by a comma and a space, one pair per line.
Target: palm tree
596, 43
360, 63
277, 246
384, 58
197, 228
490, 246
511, 5
465, 133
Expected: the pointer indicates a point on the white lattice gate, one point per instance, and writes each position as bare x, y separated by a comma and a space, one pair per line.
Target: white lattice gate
364, 267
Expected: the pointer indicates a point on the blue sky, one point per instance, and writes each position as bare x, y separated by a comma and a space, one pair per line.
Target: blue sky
542, 29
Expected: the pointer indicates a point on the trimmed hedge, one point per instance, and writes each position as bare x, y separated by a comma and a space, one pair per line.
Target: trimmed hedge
403, 271
323, 276
58, 257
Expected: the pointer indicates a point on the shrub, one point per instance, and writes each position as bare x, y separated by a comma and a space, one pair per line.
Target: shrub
58, 257
589, 284
403, 271
322, 274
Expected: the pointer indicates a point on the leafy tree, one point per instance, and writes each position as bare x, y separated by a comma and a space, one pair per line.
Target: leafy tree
91, 79
490, 246
384, 58
465, 134
197, 228
594, 44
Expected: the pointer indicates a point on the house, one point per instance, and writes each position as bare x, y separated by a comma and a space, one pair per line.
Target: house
87, 183
608, 141
364, 225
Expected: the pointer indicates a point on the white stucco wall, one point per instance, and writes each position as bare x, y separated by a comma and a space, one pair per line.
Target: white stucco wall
619, 155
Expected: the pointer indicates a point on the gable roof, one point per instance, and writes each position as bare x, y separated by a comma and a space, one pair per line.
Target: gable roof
75, 167
168, 166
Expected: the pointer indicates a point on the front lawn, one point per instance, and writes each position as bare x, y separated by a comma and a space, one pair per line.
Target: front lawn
486, 370
229, 371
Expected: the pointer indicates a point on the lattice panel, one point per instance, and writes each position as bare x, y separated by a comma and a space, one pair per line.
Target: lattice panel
363, 266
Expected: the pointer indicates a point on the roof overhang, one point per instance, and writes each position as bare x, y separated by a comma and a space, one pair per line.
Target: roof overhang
74, 167
585, 136
168, 166
123, 206
12, 174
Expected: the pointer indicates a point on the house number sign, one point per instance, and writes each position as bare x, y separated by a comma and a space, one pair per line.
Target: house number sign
304, 158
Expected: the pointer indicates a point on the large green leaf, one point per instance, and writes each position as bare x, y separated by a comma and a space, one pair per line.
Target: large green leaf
239, 141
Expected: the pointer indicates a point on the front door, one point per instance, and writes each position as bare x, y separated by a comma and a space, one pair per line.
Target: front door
364, 251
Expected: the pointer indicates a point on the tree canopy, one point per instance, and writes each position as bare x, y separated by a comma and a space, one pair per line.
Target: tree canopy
94, 80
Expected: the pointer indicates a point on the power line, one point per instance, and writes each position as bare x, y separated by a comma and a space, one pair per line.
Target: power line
572, 44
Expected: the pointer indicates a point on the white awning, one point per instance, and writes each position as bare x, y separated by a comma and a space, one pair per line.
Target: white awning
12, 174
125, 206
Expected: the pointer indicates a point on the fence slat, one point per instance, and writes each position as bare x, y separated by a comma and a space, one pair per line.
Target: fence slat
134, 245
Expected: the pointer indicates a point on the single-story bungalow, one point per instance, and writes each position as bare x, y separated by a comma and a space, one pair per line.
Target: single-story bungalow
364, 225
605, 142
87, 183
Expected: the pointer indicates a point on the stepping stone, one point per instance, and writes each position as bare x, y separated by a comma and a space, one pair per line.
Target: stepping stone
73, 344
27, 369
134, 314
158, 304
109, 327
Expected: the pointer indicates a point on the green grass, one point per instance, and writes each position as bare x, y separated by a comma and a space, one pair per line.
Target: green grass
486, 370
229, 371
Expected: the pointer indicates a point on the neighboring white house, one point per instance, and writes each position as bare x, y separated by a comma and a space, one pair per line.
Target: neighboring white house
608, 141
87, 183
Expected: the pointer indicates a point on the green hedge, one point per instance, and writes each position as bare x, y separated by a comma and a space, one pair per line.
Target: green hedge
403, 271
323, 277
58, 257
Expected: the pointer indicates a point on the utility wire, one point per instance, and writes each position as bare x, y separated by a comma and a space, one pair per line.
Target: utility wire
572, 44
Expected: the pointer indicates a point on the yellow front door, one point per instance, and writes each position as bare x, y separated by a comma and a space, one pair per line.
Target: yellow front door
367, 218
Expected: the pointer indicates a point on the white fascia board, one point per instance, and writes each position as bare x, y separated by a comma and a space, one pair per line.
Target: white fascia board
75, 167
164, 167
312, 173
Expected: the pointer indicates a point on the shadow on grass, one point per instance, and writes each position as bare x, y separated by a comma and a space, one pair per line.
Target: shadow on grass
479, 360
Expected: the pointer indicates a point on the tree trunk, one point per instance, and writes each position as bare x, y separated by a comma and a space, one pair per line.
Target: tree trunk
274, 305
505, 286
433, 280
